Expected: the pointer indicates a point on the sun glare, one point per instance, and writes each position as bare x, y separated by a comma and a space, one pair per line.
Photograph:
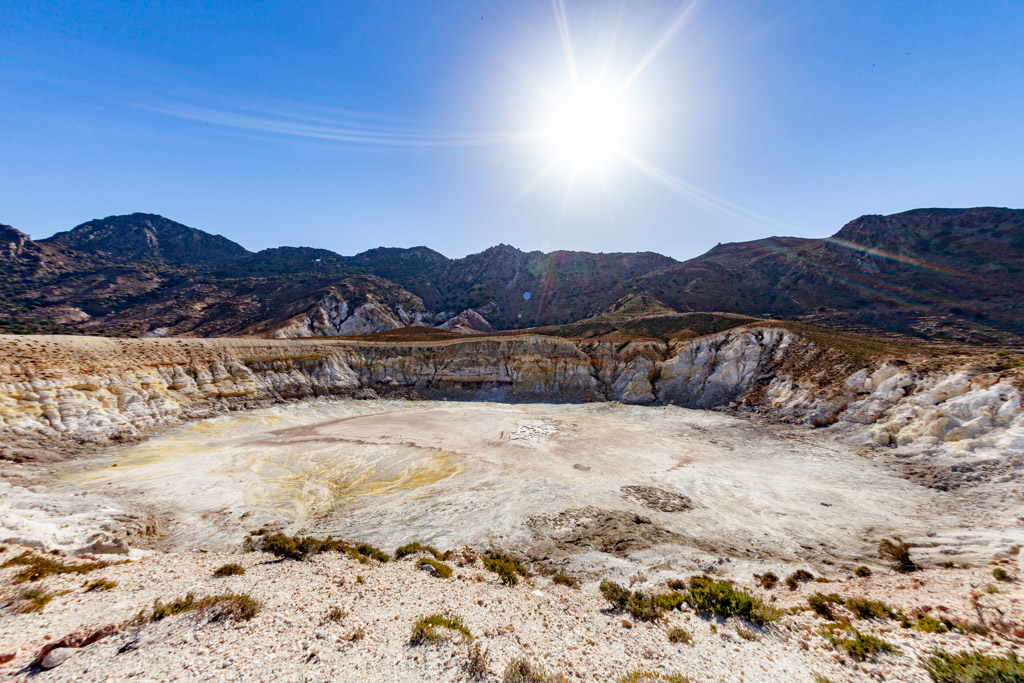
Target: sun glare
588, 127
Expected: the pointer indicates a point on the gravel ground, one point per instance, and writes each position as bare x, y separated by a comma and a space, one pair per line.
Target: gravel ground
568, 631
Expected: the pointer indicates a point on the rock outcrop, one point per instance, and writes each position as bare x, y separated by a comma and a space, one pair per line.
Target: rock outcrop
75, 390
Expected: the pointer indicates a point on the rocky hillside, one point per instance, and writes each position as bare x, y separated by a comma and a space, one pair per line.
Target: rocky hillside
945, 274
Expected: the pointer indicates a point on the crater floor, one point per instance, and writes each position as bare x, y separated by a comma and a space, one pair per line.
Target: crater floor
587, 488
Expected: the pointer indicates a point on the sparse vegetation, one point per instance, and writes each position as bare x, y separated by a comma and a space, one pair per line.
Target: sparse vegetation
768, 580
635, 676
822, 604
798, 577
641, 606
412, 548
505, 567
478, 661
1001, 574
679, 636
522, 670
38, 567
863, 608
722, 599
100, 585
303, 547
437, 627
858, 645
862, 571
897, 553
974, 667
31, 600
336, 614
440, 569
231, 569
563, 580
927, 624
224, 607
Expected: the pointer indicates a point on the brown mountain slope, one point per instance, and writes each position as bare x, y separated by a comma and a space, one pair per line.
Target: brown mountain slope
955, 274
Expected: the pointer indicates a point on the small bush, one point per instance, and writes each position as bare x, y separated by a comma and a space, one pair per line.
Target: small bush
100, 585
336, 614
768, 580
798, 577
38, 567
679, 636
641, 606
437, 627
522, 670
1001, 574
478, 661
677, 584
563, 580
303, 547
31, 600
863, 608
863, 572
505, 567
927, 624
229, 570
856, 644
723, 600
228, 606
974, 629
412, 548
822, 604
635, 676
898, 555
440, 569
974, 667
372, 552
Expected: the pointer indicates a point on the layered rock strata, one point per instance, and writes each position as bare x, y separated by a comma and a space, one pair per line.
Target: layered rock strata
67, 393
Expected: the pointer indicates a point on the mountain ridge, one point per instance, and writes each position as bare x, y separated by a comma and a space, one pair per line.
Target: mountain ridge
932, 273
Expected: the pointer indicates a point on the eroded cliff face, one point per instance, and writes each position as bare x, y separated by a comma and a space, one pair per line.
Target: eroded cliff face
63, 393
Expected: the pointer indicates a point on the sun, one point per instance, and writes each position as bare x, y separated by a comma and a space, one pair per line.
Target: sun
588, 127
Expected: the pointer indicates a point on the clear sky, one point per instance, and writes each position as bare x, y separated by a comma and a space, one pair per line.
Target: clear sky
459, 124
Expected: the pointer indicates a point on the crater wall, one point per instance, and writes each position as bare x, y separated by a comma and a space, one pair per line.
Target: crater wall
61, 394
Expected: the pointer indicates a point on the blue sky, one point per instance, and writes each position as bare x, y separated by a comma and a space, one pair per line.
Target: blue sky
350, 125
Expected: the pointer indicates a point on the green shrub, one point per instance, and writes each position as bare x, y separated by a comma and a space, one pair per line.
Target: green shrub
32, 600
822, 604
100, 585
927, 624
228, 606
303, 547
641, 606
768, 580
478, 661
440, 568
863, 608
863, 571
521, 670
856, 644
563, 580
974, 667
723, 600
798, 577
505, 567
411, 548
635, 676
38, 567
679, 635
898, 554
231, 569
438, 627
1001, 574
